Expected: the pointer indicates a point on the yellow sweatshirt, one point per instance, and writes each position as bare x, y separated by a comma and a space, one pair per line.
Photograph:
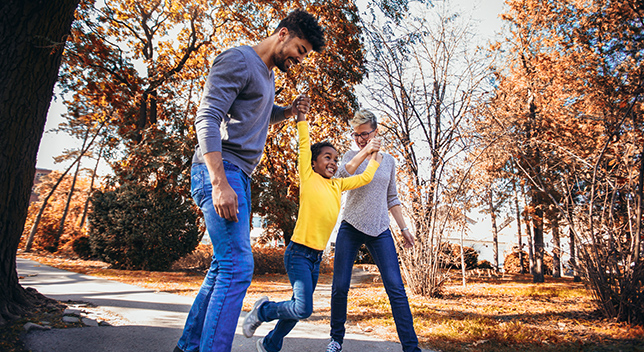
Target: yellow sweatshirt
320, 197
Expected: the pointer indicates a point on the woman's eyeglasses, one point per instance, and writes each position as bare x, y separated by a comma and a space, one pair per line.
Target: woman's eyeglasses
363, 135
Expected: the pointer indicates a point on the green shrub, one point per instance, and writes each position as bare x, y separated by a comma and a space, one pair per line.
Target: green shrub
484, 264
451, 256
269, 260
197, 260
511, 263
81, 247
133, 227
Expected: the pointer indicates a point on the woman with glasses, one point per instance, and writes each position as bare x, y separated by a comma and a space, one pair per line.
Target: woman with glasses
366, 221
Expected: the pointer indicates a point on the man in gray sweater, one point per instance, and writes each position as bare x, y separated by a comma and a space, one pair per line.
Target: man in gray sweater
232, 122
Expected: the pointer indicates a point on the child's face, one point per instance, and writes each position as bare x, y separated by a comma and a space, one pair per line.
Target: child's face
326, 163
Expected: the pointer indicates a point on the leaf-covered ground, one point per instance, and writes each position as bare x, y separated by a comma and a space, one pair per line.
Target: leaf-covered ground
488, 314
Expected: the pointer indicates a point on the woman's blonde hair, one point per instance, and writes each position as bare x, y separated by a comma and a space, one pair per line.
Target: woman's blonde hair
363, 116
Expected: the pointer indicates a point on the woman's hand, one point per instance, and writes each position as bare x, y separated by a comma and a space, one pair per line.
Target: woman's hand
376, 156
409, 238
373, 146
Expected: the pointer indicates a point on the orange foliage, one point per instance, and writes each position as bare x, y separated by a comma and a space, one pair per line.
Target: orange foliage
46, 236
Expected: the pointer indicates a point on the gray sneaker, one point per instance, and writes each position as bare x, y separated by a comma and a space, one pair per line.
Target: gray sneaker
260, 345
251, 321
334, 346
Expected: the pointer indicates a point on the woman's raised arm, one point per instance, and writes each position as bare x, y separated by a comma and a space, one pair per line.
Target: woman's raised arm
371, 147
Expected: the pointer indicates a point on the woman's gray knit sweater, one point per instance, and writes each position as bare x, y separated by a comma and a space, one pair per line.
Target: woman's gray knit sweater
367, 208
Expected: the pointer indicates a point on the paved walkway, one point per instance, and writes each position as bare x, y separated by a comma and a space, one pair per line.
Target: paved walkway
152, 321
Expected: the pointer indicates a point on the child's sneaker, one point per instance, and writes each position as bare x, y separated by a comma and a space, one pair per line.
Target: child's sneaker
260, 345
334, 346
252, 322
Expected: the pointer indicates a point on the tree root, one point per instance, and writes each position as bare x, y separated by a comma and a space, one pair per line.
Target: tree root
26, 302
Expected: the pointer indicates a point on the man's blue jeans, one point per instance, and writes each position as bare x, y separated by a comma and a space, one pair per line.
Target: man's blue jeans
212, 320
383, 252
303, 267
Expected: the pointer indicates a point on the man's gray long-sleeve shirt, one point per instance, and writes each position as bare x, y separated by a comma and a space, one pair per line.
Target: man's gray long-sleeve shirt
236, 108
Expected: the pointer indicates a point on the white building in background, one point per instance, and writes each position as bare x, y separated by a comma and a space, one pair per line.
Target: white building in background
38, 178
479, 235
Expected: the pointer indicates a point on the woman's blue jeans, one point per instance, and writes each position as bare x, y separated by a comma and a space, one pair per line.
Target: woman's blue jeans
383, 252
303, 267
212, 320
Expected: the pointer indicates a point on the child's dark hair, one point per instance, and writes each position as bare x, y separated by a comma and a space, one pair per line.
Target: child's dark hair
303, 25
316, 149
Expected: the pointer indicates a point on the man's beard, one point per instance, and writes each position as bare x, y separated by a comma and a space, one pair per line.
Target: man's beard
280, 62
280, 59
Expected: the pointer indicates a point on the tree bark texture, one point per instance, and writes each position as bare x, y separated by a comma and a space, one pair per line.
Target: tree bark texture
32, 37
537, 275
519, 240
495, 232
556, 248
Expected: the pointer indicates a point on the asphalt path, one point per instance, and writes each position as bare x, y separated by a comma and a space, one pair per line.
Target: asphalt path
150, 321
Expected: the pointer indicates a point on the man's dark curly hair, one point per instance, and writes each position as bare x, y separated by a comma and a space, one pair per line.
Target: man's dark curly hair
316, 149
303, 25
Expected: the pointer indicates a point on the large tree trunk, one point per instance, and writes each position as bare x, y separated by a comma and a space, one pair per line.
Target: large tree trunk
32, 36
519, 240
537, 222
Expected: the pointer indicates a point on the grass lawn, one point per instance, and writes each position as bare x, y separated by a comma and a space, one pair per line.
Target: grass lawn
488, 314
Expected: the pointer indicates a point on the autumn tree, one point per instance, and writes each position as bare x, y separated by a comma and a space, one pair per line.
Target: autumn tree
147, 62
570, 98
143, 64
47, 234
519, 114
495, 183
76, 156
32, 34
424, 79
329, 79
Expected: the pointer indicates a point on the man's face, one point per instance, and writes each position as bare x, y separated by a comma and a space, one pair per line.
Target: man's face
291, 51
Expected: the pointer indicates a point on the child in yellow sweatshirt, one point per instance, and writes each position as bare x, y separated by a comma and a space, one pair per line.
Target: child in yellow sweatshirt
320, 196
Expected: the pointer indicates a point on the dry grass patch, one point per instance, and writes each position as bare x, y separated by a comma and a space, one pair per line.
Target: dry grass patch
495, 314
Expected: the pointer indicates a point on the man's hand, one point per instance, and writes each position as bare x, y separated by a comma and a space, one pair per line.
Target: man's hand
301, 104
224, 199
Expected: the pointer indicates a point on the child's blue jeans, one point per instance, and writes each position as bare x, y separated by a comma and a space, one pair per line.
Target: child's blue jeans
303, 267
212, 320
